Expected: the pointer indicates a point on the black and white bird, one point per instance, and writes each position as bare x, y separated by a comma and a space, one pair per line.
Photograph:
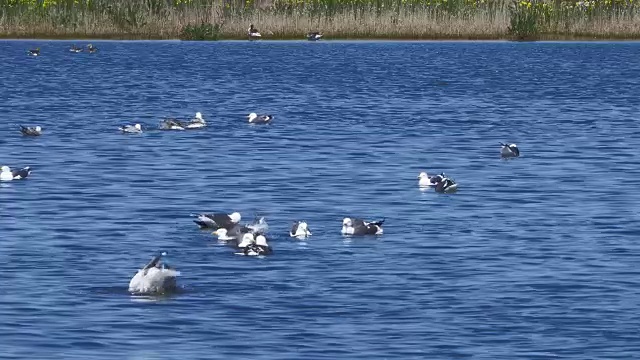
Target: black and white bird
34, 52
7, 174
31, 131
131, 129
257, 247
75, 49
218, 220
91, 48
427, 181
197, 122
171, 124
259, 119
509, 150
253, 33
361, 227
314, 36
445, 184
154, 278
299, 230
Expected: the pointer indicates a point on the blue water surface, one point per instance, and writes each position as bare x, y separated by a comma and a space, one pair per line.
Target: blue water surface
533, 258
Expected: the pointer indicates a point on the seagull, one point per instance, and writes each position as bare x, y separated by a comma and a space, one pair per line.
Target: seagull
445, 184
299, 230
426, 180
154, 278
131, 129
7, 175
92, 48
258, 247
253, 33
75, 49
259, 119
171, 124
361, 227
34, 52
217, 220
197, 122
509, 150
31, 131
314, 36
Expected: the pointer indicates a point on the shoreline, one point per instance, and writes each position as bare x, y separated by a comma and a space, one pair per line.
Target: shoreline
133, 38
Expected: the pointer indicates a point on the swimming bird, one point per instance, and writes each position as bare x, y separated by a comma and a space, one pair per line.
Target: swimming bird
259, 119
236, 232
91, 48
299, 230
258, 247
445, 184
154, 278
426, 180
314, 36
31, 131
7, 174
34, 52
75, 49
217, 220
253, 33
171, 124
509, 150
197, 122
361, 227
131, 129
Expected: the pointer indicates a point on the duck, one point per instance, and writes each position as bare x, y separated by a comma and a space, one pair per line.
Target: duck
361, 227
445, 184
509, 150
131, 129
197, 122
259, 119
31, 131
253, 33
314, 36
217, 220
34, 52
300, 230
171, 124
154, 278
6, 174
75, 49
91, 48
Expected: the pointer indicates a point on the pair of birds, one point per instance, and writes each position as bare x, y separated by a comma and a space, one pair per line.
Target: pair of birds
31, 131
441, 183
254, 34
6, 174
90, 49
197, 122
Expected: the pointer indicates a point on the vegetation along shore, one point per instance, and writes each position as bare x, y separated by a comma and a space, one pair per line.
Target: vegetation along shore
336, 19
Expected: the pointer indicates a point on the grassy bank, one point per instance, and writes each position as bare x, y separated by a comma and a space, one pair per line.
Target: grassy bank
338, 19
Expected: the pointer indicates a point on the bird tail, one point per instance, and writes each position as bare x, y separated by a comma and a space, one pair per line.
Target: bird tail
378, 223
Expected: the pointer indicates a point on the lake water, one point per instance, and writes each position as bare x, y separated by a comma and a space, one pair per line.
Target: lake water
533, 258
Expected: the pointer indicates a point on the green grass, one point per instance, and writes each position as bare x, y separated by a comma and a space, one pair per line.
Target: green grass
337, 19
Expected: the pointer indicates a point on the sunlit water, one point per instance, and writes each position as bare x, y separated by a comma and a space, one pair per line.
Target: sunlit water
533, 258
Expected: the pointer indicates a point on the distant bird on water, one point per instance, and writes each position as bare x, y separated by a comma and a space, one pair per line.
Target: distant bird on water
299, 230
75, 49
361, 227
131, 129
253, 33
259, 119
34, 52
509, 150
6, 174
31, 131
314, 36
171, 124
197, 122
444, 184
91, 48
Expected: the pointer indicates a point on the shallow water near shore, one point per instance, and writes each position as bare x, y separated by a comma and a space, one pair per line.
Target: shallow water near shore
532, 258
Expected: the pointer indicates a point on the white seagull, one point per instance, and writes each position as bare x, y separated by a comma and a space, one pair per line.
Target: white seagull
299, 230
7, 175
259, 119
509, 150
154, 278
131, 129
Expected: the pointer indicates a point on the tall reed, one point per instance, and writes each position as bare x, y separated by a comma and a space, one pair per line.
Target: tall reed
291, 19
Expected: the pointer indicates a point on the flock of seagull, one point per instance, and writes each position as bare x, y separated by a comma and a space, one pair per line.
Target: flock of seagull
157, 277
254, 34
